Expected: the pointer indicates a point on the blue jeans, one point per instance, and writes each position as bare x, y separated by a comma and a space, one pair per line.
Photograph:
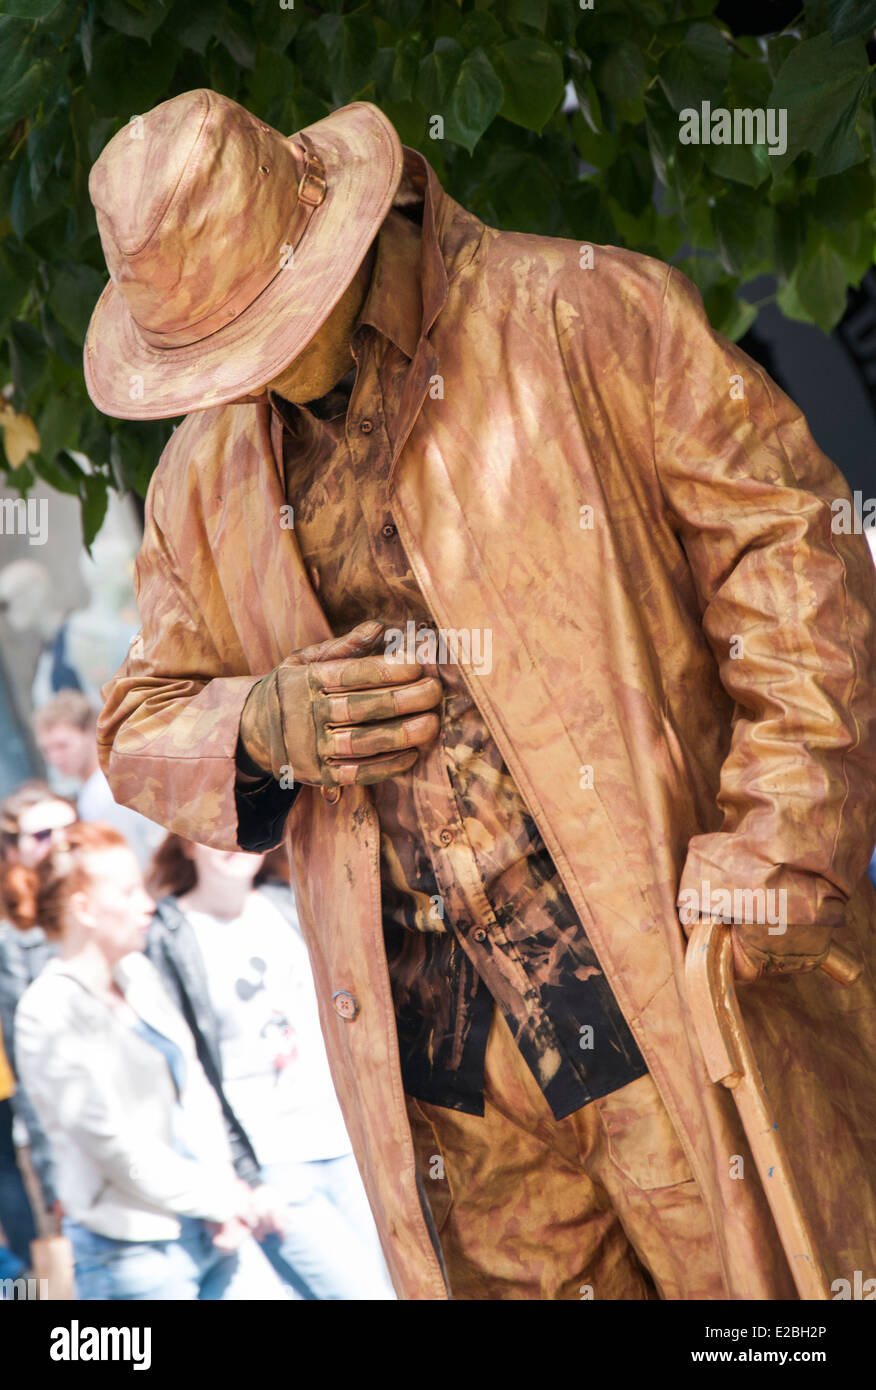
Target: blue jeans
185, 1269
330, 1249
16, 1217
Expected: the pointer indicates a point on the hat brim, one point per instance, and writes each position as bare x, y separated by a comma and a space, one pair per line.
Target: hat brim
130, 379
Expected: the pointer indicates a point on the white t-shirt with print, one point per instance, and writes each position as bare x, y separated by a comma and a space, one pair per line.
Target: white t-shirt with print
275, 1072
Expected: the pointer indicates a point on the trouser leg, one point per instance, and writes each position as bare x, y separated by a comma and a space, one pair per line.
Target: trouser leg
593, 1206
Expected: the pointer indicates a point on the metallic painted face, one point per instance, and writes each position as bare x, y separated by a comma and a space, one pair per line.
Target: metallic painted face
328, 356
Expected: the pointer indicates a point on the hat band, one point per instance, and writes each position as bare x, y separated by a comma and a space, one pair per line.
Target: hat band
312, 189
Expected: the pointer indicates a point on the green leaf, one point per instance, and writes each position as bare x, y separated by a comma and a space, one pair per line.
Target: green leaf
848, 19
588, 101
631, 179
855, 247
737, 218
437, 73
598, 150
778, 48
479, 29
697, 70
138, 22
94, 500
520, 187
819, 284
13, 285
270, 90
402, 67
842, 147
46, 148
748, 164
195, 28
530, 12
350, 43
409, 121
661, 124
61, 478
131, 74
233, 33
27, 358
21, 97
588, 214
622, 77
27, 212
844, 199
73, 295
29, 9
820, 86
726, 312
273, 25
531, 73
403, 15
790, 225
475, 99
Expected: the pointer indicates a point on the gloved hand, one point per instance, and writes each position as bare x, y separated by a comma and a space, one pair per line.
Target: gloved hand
331, 715
756, 952
797, 950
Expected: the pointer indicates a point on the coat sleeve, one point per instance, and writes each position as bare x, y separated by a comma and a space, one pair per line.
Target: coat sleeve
168, 731
788, 596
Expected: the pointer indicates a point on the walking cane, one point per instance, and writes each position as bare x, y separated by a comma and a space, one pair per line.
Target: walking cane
730, 1060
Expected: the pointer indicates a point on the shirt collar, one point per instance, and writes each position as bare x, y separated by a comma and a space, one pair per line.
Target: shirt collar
393, 304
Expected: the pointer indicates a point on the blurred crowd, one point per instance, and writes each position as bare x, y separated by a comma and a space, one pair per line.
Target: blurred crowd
168, 1124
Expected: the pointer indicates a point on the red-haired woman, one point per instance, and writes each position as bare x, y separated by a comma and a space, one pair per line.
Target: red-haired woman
145, 1175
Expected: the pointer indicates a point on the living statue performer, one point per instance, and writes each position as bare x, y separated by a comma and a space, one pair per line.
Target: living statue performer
489, 579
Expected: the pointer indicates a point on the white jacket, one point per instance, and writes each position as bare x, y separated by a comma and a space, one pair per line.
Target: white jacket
109, 1106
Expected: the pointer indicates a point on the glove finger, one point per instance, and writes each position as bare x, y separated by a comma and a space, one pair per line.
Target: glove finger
367, 706
373, 770
369, 740
357, 642
362, 673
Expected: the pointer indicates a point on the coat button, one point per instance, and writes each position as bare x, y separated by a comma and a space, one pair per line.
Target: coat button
480, 934
446, 837
389, 531
365, 426
345, 1004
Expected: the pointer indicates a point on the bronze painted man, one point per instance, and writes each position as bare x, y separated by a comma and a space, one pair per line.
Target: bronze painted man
411, 438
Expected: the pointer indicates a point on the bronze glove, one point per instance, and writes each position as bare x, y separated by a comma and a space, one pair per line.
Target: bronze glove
333, 714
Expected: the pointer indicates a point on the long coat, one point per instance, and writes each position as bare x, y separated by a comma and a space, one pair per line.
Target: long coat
681, 685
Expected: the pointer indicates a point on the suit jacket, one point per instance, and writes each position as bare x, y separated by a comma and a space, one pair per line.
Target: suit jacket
681, 686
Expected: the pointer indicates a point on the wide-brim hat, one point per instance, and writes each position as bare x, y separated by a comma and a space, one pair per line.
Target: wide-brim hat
228, 246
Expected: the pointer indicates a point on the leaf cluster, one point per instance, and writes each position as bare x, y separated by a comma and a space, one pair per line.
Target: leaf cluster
557, 120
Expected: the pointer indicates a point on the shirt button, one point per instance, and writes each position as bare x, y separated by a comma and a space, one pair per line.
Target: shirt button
446, 837
365, 426
480, 934
389, 530
345, 1004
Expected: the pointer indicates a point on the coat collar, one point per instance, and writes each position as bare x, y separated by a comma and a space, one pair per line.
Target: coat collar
449, 239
